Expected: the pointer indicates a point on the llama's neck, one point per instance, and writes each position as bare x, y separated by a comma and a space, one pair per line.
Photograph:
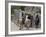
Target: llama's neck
26, 18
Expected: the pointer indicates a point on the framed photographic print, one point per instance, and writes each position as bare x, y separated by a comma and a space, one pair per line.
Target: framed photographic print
22, 18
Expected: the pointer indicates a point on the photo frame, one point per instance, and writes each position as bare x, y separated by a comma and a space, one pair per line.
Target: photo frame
16, 10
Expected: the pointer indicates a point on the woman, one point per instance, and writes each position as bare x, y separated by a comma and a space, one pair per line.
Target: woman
37, 21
